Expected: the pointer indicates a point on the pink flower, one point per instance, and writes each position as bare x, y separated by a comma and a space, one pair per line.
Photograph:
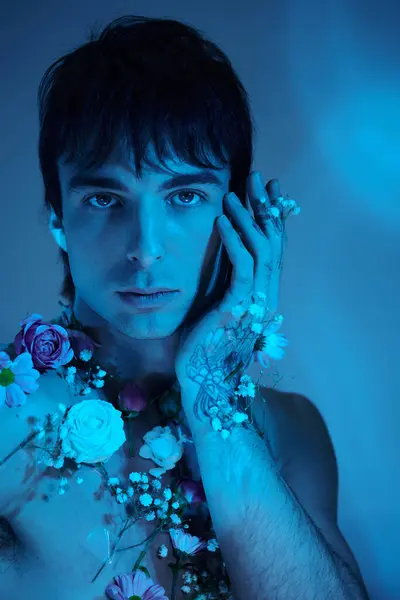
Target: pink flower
48, 344
132, 398
184, 542
135, 584
17, 378
192, 491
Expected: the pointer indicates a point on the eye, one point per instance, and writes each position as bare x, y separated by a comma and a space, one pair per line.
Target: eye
89, 198
189, 204
181, 205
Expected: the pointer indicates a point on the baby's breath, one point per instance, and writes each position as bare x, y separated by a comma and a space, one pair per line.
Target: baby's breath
146, 498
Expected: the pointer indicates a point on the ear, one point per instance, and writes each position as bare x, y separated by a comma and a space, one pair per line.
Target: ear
57, 230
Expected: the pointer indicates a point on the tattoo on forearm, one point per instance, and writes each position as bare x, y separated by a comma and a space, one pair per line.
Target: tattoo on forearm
211, 366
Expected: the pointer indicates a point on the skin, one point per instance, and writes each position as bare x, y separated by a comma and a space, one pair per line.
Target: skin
145, 238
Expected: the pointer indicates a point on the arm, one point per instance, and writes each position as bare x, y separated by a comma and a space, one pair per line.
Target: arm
269, 539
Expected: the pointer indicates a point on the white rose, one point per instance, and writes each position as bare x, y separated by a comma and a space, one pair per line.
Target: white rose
163, 448
92, 431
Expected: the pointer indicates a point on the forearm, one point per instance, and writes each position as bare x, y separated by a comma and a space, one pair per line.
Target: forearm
271, 547
277, 553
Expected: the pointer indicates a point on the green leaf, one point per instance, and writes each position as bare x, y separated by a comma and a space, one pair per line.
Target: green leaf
133, 414
145, 571
134, 598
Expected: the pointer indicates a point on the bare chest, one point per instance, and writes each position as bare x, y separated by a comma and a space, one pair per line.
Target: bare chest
69, 539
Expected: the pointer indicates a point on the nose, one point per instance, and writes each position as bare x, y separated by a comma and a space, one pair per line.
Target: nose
146, 246
145, 259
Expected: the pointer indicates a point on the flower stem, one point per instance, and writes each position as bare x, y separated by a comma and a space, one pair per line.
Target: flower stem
125, 527
143, 552
236, 369
136, 545
130, 438
175, 571
21, 445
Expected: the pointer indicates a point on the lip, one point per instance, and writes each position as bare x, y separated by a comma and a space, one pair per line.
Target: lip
142, 303
135, 290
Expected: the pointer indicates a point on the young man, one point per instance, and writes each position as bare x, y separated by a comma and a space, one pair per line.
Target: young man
144, 131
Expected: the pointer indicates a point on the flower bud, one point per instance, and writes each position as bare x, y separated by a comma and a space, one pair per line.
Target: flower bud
192, 491
132, 398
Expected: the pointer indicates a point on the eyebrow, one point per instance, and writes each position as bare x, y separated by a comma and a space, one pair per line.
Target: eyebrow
81, 181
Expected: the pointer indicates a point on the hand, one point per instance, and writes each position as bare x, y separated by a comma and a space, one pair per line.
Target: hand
217, 343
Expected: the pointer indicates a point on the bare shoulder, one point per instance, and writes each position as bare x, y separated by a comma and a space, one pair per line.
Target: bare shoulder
284, 418
18, 423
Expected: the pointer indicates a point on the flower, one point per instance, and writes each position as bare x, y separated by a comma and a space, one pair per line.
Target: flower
170, 403
17, 378
192, 491
135, 477
184, 542
132, 398
167, 494
186, 589
270, 344
246, 387
145, 499
113, 481
175, 519
287, 206
163, 448
135, 584
212, 545
47, 343
92, 432
162, 551
82, 345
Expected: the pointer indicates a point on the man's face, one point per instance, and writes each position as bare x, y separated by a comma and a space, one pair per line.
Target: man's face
145, 235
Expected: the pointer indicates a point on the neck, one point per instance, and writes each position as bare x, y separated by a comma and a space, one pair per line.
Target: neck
150, 363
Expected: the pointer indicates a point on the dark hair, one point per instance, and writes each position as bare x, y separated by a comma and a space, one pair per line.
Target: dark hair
143, 80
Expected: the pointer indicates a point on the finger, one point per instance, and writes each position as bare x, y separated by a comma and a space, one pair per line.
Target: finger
263, 199
273, 291
255, 240
247, 228
274, 190
256, 191
241, 284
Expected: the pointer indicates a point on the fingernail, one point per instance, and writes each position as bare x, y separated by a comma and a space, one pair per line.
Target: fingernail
232, 196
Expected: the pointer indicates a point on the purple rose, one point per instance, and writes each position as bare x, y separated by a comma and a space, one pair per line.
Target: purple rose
48, 344
132, 398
